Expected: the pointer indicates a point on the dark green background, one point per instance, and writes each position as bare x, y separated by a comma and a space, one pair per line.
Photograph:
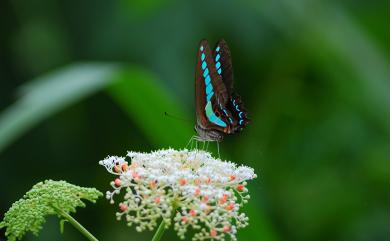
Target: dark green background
81, 80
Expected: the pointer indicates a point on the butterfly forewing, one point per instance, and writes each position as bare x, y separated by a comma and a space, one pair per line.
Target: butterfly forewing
218, 85
210, 91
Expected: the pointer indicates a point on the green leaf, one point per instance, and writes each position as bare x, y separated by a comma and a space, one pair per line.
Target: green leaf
46, 95
135, 89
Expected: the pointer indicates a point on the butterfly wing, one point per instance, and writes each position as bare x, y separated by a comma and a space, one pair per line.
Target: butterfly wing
224, 67
223, 64
239, 112
211, 94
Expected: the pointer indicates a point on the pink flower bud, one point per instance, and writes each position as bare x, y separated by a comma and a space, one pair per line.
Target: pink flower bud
117, 169
183, 181
193, 212
213, 233
223, 199
226, 228
197, 191
123, 207
118, 182
230, 206
208, 180
125, 166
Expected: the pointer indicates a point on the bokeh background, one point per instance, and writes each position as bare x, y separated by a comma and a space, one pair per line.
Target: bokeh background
81, 80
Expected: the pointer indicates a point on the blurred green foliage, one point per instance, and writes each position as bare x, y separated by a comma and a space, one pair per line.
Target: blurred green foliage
81, 80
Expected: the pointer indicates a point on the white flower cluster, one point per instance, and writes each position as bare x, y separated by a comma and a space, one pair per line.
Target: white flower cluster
197, 190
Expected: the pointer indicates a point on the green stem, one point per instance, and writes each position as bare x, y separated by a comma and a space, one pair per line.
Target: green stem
76, 224
162, 227
160, 231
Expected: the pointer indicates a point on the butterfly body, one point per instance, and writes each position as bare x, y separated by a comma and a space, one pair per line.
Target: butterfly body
219, 110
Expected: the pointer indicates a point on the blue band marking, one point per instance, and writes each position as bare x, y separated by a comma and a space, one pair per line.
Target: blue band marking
210, 95
204, 65
206, 72
217, 57
217, 63
240, 113
207, 80
209, 89
212, 117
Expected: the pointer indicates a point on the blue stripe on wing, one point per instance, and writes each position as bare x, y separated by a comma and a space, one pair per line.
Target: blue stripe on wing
217, 63
209, 93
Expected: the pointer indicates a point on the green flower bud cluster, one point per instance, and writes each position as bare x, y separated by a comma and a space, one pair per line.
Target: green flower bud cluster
45, 198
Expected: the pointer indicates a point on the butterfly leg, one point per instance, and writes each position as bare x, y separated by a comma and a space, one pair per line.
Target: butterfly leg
219, 156
204, 145
196, 147
193, 143
190, 142
207, 146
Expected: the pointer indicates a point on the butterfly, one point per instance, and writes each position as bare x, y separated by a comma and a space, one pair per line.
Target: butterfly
219, 110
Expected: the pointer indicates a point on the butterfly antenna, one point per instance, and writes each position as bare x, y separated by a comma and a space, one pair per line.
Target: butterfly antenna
176, 117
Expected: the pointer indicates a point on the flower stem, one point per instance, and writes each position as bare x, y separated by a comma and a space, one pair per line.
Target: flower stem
160, 231
76, 224
161, 228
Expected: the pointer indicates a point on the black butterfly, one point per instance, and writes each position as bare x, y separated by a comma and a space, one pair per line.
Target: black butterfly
219, 110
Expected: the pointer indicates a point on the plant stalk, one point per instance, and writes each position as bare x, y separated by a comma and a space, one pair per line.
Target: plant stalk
162, 227
76, 224
160, 231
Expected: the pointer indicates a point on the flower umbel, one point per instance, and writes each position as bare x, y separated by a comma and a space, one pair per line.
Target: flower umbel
199, 191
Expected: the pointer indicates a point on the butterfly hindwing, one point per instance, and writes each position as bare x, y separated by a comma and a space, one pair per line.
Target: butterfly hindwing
239, 112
